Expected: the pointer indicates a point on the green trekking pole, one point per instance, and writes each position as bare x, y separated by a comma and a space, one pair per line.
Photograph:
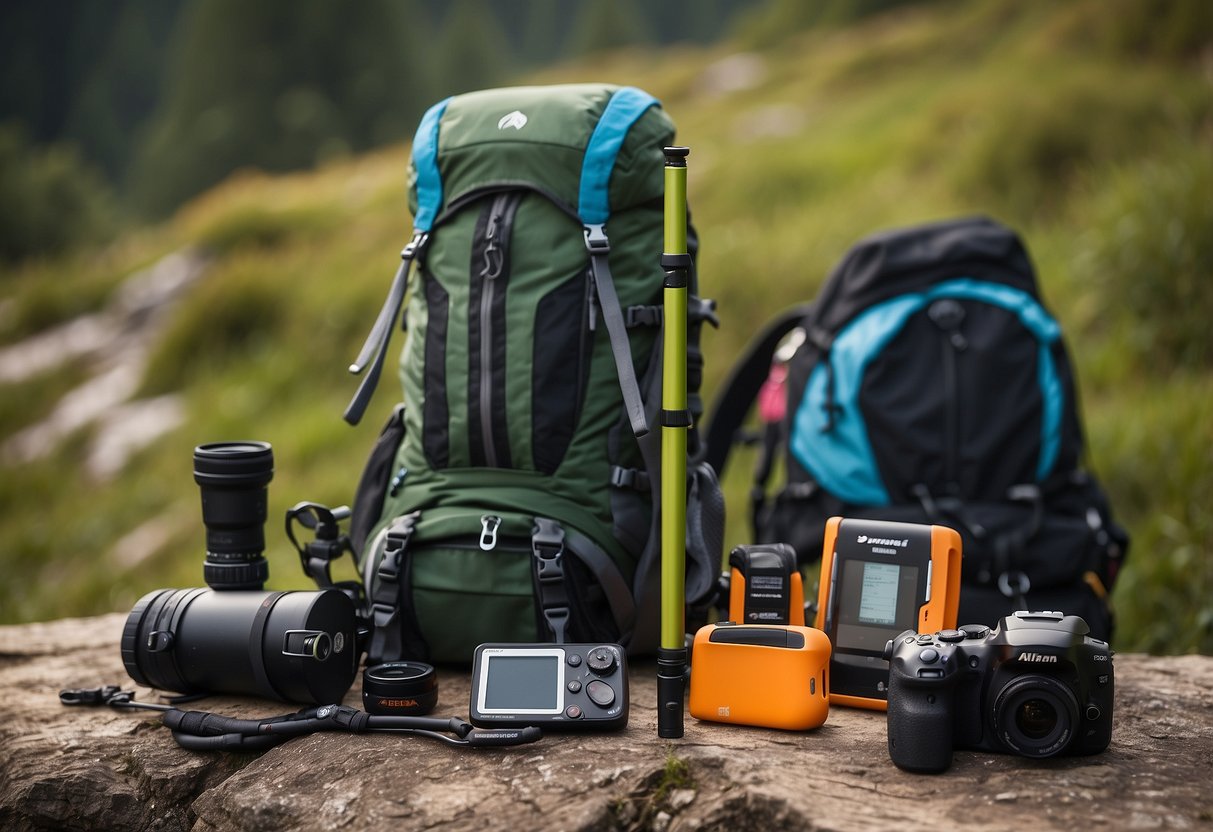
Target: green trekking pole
675, 419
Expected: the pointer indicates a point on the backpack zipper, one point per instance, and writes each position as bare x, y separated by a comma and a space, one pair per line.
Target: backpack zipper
496, 235
948, 315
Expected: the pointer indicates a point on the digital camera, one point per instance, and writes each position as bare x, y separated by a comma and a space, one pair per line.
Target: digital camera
1036, 685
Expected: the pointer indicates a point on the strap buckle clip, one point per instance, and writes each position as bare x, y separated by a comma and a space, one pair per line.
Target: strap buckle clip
415, 247
104, 695
596, 241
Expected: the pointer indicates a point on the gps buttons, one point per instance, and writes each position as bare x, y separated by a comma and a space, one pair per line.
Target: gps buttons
600, 693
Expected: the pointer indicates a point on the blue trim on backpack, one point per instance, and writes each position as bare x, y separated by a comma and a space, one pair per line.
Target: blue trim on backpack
425, 163
840, 458
626, 106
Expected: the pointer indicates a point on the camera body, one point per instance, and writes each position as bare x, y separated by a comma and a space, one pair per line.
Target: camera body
1036, 685
759, 674
570, 687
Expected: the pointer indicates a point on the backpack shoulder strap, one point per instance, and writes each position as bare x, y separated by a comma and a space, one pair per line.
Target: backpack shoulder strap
741, 388
624, 109
429, 201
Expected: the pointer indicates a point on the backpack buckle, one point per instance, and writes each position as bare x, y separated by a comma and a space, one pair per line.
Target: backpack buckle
415, 246
596, 241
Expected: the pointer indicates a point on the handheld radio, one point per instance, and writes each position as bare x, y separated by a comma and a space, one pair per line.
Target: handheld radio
878, 579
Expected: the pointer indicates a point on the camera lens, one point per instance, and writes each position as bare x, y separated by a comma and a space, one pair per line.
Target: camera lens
233, 477
1035, 716
294, 646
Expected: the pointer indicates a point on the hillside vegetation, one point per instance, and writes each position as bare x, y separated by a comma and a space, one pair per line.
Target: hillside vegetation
1087, 126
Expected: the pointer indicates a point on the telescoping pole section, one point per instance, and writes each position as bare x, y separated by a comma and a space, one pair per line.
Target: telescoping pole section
675, 419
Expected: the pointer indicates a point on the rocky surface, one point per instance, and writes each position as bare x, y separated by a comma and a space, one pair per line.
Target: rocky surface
96, 768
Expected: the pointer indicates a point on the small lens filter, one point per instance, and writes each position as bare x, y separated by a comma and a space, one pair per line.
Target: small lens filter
399, 689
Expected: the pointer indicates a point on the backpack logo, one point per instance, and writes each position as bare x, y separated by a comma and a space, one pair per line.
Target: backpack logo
516, 119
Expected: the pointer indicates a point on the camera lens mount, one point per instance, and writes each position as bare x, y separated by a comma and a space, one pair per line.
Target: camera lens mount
233, 477
1035, 716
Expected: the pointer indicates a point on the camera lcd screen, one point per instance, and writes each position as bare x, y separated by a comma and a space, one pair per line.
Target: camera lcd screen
522, 681
876, 602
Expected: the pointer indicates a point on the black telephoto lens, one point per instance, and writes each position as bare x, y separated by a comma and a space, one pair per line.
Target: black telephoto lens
233, 477
294, 646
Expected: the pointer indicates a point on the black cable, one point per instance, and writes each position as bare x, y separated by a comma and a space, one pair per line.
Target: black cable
205, 731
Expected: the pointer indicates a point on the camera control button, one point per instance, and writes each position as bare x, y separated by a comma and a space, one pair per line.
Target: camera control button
951, 635
574, 686
929, 655
574, 660
600, 693
975, 630
572, 712
1093, 713
926, 638
601, 660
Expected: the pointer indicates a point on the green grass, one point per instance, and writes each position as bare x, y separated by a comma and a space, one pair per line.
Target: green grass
1085, 125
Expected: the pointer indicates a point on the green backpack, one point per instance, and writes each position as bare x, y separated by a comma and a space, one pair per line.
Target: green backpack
513, 495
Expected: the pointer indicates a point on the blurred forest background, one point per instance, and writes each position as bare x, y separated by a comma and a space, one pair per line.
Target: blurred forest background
202, 202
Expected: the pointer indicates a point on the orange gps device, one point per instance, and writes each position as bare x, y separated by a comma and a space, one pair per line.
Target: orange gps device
776, 677
879, 579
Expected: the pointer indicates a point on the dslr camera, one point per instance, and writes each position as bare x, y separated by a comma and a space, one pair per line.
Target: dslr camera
1036, 685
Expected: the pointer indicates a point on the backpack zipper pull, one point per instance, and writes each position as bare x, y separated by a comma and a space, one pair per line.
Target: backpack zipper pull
493, 259
489, 524
948, 315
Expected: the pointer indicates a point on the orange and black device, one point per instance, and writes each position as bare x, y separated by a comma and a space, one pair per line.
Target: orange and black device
878, 579
776, 677
765, 586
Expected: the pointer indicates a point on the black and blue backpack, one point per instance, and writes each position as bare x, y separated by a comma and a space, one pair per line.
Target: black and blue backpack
928, 383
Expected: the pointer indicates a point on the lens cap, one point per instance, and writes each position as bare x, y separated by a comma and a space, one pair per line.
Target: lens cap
399, 689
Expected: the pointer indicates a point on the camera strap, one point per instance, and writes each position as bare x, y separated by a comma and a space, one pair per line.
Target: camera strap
204, 731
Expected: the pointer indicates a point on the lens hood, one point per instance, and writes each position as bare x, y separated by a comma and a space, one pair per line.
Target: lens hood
248, 464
